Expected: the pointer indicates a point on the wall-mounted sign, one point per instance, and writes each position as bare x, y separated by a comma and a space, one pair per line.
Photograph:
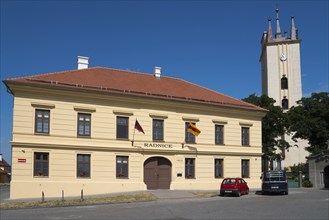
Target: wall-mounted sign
158, 145
21, 160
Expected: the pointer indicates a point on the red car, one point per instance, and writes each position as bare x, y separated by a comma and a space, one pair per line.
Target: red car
234, 186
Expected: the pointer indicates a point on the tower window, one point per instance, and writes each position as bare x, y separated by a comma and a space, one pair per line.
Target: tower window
284, 82
285, 104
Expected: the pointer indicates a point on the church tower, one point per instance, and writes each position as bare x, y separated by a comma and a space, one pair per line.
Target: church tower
280, 60
281, 78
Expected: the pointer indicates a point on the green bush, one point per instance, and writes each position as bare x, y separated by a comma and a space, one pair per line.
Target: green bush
307, 183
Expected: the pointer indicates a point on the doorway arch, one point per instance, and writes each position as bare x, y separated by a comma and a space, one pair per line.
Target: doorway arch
157, 173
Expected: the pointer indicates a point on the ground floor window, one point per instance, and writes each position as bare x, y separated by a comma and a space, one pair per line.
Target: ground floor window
219, 168
245, 168
83, 165
41, 164
189, 168
122, 166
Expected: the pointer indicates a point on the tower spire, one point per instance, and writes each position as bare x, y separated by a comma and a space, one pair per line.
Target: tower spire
293, 34
269, 31
278, 29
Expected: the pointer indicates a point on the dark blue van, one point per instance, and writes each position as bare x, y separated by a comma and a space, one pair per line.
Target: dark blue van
275, 181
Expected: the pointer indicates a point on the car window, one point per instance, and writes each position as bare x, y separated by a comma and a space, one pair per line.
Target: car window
229, 181
274, 176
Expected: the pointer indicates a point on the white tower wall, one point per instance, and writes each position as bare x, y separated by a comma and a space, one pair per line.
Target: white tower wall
274, 67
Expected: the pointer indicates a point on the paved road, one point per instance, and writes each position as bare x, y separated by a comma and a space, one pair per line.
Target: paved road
299, 204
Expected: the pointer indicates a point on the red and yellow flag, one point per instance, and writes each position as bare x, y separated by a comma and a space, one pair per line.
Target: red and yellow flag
193, 129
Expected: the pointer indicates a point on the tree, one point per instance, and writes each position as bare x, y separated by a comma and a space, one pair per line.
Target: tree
273, 126
310, 121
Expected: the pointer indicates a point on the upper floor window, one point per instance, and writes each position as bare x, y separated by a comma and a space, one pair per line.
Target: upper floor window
245, 136
245, 168
284, 82
189, 137
122, 127
122, 166
189, 168
285, 104
157, 130
219, 134
83, 165
42, 121
41, 164
219, 168
84, 123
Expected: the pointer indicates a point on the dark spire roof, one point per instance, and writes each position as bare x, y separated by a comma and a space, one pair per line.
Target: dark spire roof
269, 31
278, 29
293, 34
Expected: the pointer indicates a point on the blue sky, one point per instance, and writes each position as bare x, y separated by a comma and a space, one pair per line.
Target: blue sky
215, 44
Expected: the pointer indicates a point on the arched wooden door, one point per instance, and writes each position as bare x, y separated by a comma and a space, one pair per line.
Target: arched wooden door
157, 173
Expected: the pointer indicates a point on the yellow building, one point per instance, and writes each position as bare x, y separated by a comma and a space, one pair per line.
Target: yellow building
77, 130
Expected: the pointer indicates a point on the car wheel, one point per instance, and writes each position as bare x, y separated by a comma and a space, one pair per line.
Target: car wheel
247, 192
238, 194
221, 194
284, 193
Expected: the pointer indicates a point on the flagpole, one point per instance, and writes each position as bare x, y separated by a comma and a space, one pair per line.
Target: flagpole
132, 143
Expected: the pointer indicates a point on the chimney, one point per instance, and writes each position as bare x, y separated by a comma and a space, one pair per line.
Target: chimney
157, 72
82, 62
0, 157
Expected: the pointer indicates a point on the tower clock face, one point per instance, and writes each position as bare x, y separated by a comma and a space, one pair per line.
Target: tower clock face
283, 57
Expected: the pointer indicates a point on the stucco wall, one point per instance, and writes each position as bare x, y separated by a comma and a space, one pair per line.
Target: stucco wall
63, 144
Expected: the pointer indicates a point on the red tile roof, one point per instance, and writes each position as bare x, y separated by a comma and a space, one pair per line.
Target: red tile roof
134, 83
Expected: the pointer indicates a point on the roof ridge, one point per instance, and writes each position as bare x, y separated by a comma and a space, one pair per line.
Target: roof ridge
96, 67
131, 71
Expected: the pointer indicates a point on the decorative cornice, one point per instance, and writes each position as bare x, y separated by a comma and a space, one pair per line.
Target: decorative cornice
152, 115
123, 112
84, 109
42, 105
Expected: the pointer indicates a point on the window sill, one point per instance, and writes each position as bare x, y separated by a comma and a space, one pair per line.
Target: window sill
40, 176
83, 136
122, 139
81, 177
42, 134
123, 177
220, 144
159, 141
